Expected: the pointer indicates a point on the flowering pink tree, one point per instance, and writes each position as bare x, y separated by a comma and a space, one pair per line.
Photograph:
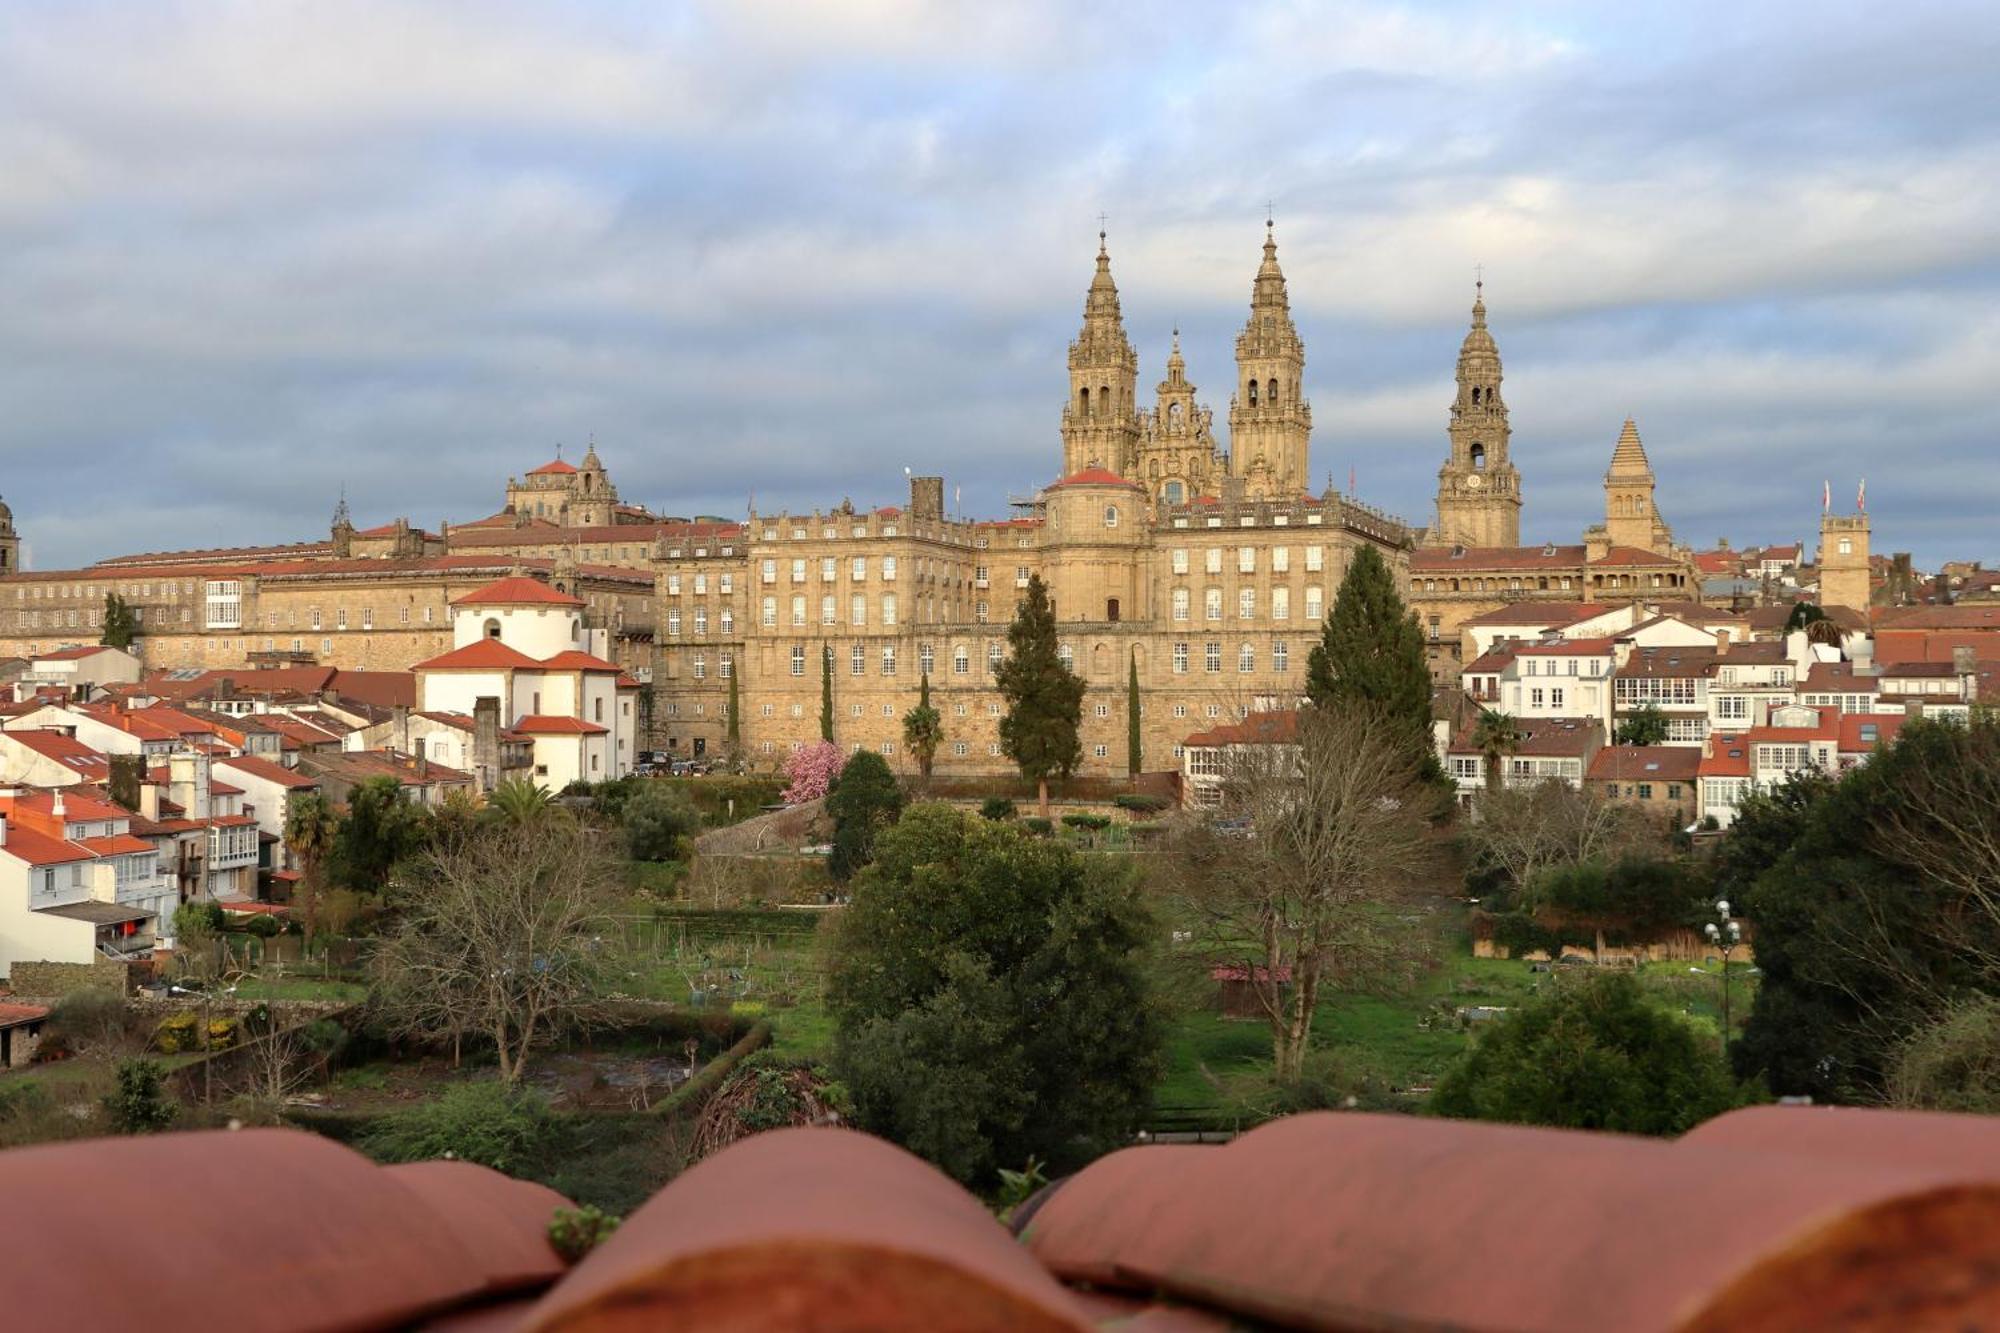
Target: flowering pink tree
812, 771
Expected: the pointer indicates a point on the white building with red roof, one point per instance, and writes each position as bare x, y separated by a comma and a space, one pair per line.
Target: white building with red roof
75, 884
523, 643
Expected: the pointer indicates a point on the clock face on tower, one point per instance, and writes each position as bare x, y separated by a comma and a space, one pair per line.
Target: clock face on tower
1473, 482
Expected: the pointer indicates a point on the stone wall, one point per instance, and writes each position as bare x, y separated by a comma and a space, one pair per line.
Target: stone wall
56, 980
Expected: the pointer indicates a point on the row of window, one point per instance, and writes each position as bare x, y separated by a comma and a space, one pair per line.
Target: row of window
1180, 602
1246, 657
1213, 557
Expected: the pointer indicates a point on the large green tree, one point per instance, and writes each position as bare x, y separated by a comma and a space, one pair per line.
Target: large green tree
990, 996
1495, 736
1644, 725
1044, 697
380, 829
1133, 742
121, 622
1371, 652
1875, 906
862, 802
1597, 1054
923, 728
311, 827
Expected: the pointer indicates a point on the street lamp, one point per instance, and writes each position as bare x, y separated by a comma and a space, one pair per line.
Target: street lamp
1725, 934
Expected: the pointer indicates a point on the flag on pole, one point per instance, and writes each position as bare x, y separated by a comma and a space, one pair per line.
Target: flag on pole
1861, 496
1826, 497
1350, 479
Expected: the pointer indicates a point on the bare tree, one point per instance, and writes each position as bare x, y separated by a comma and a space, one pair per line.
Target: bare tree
501, 939
1299, 876
1525, 831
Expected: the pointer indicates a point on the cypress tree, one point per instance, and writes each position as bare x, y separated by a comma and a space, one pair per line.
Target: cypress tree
735, 733
1132, 742
1044, 697
121, 626
826, 692
1371, 651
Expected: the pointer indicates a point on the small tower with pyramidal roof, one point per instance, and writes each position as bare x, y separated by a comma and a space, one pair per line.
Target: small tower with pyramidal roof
1631, 518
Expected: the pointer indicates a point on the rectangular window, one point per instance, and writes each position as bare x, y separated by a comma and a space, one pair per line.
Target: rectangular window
1315, 559
673, 620
798, 659
857, 568
700, 673
1281, 657
1246, 560
1211, 604
1281, 603
225, 604
673, 585
1535, 697
1180, 603
770, 619
828, 610
798, 611
1281, 559
368, 617
1211, 657
993, 657
829, 569
1246, 658
888, 608
1315, 603
770, 571
889, 568
1246, 603
961, 661
1180, 659
857, 660
315, 618
857, 609
926, 659
888, 659
1180, 560
1555, 698
1212, 559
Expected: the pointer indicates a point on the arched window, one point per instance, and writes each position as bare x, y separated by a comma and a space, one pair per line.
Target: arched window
1174, 492
1104, 400
1111, 609
575, 630
492, 628
1478, 458
1271, 392
1083, 401
1253, 393
1111, 516
1174, 413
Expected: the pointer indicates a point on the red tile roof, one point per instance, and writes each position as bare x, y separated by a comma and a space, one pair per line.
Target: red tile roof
1538, 615
13, 1015
574, 660
75, 654
480, 655
257, 767
544, 724
1862, 732
1565, 648
1095, 476
557, 468
1484, 559
517, 590
1646, 763
1269, 728
1632, 555
39, 849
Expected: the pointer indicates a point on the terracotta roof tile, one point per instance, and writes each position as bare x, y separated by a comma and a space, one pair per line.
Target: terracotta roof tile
1646, 763
518, 590
540, 724
480, 655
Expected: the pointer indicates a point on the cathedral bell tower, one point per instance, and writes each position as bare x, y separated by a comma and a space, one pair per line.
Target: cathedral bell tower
1100, 424
1479, 491
1177, 458
1269, 419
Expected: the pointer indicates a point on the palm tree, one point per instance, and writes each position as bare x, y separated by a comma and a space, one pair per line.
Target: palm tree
310, 830
1494, 735
519, 801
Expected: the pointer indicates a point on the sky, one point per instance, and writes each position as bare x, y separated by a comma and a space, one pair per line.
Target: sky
254, 254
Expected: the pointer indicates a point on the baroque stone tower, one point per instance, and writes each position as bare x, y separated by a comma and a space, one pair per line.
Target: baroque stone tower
1630, 516
1270, 421
1101, 421
1177, 455
1479, 490
10, 542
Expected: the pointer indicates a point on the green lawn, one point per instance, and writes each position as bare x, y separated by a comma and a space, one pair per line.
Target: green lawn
299, 988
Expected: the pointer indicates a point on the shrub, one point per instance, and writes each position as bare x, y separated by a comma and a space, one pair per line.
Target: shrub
83, 1022
862, 802
575, 1232
658, 821
486, 1122
1092, 823
996, 808
139, 1104
199, 918
811, 771
1140, 802
264, 927
1038, 825
177, 1032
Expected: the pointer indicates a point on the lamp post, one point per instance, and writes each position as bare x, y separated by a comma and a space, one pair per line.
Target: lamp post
1725, 934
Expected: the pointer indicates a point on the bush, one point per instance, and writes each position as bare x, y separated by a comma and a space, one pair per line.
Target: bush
658, 822
996, 808
1140, 802
1952, 1064
1594, 1055
1038, 825
177, 1032
139, 1104
264, 927
863, 801
83, 1022
198, 918
1090, 823
487, 1122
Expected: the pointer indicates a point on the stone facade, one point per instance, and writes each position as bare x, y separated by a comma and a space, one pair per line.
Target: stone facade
1479, 490
1844, 569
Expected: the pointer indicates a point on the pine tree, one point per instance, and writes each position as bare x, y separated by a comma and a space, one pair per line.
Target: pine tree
923, 727
1371, 652
1132, 741
121, 626
826, 693
1044, 697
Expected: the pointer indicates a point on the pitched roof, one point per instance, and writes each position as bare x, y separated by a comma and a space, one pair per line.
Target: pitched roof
480, 655
575, 660
1565, 648
1094, 476
517, 590
545, 724
1486, 559
555, 468
1538, 615
1628, 456
1277, 727
1632, 555
75, 654
254, 766
1862, 732
1646, 763
1669, 661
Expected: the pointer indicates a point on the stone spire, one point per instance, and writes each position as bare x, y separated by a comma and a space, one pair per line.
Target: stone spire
1270, 422
1631, 517
1628, 456
1479, 490
1101, 418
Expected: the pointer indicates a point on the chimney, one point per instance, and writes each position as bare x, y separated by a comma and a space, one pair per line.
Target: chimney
60, 809
486, 740
401, 715
1964, 661
3, 830
149, 801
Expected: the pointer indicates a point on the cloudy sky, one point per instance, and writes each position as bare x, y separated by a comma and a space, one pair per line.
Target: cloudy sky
253, 252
